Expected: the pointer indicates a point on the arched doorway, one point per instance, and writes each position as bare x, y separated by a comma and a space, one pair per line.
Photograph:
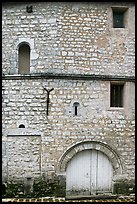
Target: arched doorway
89, 168
89, 172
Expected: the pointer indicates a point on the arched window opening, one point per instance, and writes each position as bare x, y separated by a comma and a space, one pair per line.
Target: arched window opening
24, 59
75, 105
21, 126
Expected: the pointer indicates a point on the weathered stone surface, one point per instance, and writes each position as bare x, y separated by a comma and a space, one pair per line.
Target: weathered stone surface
72, 39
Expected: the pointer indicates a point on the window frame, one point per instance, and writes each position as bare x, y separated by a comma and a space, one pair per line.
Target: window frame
22, 70
122, 95
120, 10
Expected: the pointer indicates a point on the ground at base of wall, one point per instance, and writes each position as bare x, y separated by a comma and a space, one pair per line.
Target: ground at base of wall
54, 199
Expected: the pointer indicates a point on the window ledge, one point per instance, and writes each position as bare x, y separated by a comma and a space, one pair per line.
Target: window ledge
116, 109
120, 28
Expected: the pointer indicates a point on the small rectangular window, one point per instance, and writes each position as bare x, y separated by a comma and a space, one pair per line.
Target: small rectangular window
116, 95
118, 20
119, 17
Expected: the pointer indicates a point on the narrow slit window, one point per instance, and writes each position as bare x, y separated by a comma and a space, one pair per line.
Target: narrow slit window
24, 59
116, 95
75, 105
76, 110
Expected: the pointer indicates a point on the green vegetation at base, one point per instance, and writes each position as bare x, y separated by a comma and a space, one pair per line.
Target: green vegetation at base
124, 187
41, 188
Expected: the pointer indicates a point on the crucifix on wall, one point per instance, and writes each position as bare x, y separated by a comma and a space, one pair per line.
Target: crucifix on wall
48, 91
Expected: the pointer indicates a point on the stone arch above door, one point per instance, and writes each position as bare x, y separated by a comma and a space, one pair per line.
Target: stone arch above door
87, 145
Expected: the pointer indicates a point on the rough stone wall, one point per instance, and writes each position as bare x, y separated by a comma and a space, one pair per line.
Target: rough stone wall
95, 120
69, 38
75, 38
25, 152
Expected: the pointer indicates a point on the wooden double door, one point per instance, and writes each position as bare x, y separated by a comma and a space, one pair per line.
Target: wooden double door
89, 172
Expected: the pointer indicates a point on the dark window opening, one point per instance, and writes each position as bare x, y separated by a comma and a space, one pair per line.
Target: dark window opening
28, 178
29, 9
24, 59
116, 95
76, 108
21, 126
119, 17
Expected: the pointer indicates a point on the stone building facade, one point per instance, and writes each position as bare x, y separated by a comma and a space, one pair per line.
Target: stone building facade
62, 63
